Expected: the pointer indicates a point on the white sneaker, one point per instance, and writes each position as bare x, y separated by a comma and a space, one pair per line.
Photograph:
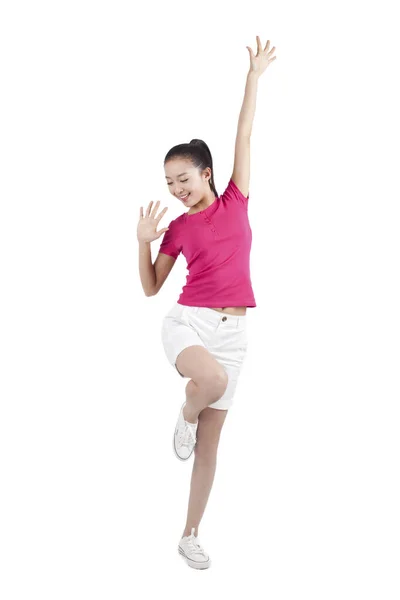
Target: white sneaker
190, 549
184, 437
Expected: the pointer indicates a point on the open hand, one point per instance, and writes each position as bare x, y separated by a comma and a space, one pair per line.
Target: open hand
146, 229
263, 58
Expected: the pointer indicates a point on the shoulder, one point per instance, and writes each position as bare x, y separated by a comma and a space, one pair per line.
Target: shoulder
176, 223
234, 194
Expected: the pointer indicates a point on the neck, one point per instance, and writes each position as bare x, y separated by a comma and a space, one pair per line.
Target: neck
203, 203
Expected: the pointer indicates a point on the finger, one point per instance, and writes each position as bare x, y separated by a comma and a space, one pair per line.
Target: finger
153, 214
141, 212
251, 51
149, 208
259, 47
163, 231
266, 46
164, 210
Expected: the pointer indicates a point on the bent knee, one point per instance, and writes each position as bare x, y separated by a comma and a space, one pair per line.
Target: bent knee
197, 363
215, 383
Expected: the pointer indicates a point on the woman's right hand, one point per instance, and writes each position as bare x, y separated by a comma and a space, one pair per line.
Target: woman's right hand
146, 229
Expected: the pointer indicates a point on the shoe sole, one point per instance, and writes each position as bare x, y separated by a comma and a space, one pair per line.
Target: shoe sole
192, 563
173, 443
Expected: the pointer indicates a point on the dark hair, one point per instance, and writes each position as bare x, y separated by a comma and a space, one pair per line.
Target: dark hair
198, 153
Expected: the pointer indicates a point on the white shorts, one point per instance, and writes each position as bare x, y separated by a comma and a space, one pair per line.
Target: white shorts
223, 335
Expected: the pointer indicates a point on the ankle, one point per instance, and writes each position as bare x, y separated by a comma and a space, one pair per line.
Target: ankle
189, 416
187, 532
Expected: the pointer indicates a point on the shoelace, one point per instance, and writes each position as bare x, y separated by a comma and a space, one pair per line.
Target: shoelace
188, 436
194, 546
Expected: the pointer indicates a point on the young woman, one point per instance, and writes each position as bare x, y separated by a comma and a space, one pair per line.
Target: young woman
204, 333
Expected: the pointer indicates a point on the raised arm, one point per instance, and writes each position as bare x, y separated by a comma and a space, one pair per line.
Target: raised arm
258, 64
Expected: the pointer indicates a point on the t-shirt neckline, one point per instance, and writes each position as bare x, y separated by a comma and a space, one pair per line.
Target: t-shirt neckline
201, 212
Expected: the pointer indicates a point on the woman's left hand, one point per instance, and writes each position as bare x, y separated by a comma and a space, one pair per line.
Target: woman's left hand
260, 62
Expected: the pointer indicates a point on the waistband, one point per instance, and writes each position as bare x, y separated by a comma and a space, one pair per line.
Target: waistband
217, 316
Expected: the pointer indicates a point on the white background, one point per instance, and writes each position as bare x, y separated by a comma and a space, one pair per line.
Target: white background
306, 493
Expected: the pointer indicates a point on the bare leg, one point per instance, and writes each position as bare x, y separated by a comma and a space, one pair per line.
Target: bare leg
199, 397
211, 421
208, 380
200, 488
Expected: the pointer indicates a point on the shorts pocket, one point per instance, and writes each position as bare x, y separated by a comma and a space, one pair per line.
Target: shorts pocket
176, 312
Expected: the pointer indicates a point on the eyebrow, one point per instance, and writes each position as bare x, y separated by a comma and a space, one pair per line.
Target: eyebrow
185, 173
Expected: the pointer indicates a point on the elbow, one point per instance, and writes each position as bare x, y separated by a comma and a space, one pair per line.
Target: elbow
150, 293
154, 291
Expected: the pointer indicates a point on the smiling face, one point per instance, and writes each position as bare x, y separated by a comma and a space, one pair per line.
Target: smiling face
183, 178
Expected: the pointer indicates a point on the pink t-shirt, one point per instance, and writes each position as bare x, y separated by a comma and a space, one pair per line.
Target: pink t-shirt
216, 243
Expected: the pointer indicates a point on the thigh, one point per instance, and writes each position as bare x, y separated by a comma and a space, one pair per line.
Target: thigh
225, 338
186, 348
197, 363
206, 346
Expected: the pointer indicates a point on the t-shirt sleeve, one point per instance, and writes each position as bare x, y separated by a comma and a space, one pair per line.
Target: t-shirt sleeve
232, 193
170, 244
